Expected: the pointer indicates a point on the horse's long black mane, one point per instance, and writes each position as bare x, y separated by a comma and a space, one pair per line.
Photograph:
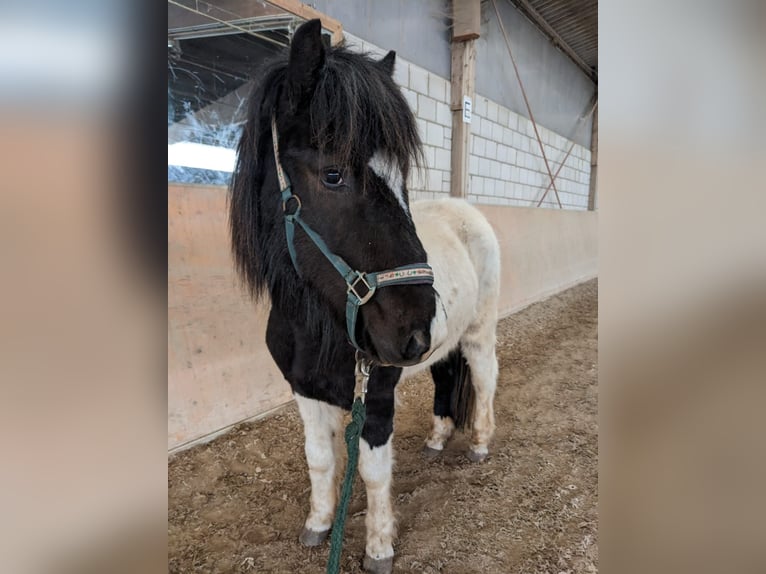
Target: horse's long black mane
356, 109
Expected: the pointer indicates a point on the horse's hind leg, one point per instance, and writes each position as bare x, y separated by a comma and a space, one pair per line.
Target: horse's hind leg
442, 426
321, 422
478, 347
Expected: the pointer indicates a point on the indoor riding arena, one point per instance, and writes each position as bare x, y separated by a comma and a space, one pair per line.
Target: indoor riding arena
504, 99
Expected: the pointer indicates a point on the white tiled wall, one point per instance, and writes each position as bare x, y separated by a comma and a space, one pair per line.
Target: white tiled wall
428, 96
505, 164
506, 167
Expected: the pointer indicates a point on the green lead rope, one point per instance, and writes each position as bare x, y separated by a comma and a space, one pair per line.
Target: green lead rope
352, 434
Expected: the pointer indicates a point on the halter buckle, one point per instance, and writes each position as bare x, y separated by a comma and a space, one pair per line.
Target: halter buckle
355, 282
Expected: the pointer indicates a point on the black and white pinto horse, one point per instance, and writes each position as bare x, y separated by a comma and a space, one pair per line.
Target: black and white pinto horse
339, 127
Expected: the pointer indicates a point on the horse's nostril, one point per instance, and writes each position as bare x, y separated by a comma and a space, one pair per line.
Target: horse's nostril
417, 345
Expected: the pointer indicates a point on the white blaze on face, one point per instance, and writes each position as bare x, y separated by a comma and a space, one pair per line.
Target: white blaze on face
389, 171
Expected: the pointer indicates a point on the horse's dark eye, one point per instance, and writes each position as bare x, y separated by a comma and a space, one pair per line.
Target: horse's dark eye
331, 177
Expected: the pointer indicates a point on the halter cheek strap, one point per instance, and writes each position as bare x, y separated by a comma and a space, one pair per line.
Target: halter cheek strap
360, 286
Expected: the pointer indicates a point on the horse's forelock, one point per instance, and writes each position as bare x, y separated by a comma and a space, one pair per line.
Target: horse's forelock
357, 111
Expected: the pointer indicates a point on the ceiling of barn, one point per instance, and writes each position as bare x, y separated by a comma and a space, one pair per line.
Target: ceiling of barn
570, 24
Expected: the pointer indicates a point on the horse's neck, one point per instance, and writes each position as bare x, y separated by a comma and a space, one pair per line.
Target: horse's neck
304, 307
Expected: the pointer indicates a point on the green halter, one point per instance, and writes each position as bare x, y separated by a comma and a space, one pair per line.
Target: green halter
415, 273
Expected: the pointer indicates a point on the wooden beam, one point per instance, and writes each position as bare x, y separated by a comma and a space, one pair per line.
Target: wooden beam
463, 75
466, 20
309, 13
466, 27
593, 161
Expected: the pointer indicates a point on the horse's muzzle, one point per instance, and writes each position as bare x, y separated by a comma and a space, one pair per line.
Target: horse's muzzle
417, 346
414, 350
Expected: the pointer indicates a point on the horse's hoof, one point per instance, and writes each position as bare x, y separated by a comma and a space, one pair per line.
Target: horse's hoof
310, 537
431, 453
380, 566
474, 456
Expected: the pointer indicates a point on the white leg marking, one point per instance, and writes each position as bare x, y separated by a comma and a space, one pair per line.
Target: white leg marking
478, 346
375, 468
441, 430
321, 422
482, 360
389, 171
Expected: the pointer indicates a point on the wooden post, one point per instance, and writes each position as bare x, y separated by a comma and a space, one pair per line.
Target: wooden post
463, 59
593, 161
466, 27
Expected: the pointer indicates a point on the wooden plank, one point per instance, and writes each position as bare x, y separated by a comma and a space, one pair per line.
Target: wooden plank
463, 76
466, 20
593, 161
219, 369
309, 13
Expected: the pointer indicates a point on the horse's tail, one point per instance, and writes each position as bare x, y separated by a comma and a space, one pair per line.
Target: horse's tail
463, 396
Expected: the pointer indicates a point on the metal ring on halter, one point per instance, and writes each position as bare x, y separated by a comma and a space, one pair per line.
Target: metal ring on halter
352, 288
298, 201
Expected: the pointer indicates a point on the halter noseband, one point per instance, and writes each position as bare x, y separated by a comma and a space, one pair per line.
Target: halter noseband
415, 273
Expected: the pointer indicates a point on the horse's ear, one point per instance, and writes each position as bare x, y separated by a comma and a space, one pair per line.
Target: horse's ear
388, 61
307, 56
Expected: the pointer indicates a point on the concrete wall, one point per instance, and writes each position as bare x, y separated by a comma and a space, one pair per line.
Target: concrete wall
506, 167
505, 164
219, 370
559, 92
419, 30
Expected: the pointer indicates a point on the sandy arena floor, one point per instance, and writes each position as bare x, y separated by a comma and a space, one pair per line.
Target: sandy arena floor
238, 503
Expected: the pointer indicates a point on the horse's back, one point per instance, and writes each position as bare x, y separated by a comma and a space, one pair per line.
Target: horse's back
437, 218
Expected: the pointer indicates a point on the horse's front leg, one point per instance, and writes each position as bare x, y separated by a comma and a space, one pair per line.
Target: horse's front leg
375, 466
321, 422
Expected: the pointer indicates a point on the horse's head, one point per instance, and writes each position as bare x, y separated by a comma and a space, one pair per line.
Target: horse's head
346, 140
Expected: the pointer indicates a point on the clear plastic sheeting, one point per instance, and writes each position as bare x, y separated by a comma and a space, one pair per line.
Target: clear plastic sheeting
214, 49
